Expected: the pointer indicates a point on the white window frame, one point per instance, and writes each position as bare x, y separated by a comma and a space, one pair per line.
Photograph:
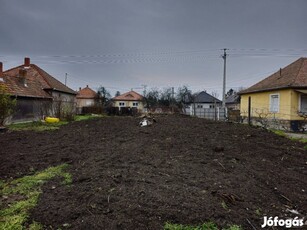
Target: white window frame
135, 104
121, 104
300, 103
278, 103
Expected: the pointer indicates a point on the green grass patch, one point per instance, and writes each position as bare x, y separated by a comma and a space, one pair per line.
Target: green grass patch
283, 134
279, 133
205, 226
303, 140
38, 126
21, 195
88, 117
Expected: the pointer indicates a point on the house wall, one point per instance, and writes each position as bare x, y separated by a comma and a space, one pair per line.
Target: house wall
295, 101
65, 97
260, 104
84, 102
140, 106
30, 109
63, 103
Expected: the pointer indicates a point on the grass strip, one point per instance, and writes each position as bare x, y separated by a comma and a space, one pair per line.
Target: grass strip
205, 226
21, 195
40, 126
37, 126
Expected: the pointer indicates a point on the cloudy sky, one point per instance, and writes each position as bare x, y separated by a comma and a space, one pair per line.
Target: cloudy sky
124, 44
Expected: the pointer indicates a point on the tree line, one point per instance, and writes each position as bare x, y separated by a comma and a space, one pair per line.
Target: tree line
166, 97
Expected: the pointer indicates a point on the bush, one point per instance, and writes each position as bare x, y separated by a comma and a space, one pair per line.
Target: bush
7, 105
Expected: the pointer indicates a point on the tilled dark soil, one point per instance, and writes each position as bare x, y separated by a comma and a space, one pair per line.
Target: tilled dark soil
180, 170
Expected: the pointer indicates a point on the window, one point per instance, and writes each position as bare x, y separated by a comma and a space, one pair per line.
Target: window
88, 102
121, 104
274, 103
135, 104
303, 103
211, 106
200, 106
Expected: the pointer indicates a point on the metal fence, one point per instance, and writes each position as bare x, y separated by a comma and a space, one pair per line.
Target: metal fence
217, 114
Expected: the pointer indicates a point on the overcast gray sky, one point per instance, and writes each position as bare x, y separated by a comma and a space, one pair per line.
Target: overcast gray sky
124, 44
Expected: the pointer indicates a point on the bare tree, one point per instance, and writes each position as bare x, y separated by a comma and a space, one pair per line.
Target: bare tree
104, 94
152, 97
263, 116
117, 93
166, 97
215, 93
184, 96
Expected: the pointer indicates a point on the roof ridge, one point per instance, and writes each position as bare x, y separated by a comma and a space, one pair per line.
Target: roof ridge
16, 67
299, 70
44, 74
39, 70
135, 92
292, 75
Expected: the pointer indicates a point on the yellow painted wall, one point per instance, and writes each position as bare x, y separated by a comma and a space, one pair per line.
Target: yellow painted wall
260, 104
130, 104
295, 99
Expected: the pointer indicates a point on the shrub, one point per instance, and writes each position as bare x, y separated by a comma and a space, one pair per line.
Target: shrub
7, 104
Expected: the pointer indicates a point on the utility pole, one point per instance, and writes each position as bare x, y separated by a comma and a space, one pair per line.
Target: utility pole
172, 102
66, 78
224, 78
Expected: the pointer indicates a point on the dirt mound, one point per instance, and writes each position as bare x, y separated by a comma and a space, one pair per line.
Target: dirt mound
180, 170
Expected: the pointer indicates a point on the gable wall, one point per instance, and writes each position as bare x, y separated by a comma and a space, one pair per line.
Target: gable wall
260, 104
130, 104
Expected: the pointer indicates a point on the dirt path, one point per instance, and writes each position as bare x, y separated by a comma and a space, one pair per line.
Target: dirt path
181, 170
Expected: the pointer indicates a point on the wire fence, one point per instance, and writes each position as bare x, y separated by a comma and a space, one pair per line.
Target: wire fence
217, 114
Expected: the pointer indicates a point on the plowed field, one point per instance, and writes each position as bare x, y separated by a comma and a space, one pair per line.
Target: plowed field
180, 170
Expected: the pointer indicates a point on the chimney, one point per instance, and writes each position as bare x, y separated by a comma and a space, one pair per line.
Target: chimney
86, 86
79, 88
27, 62
280, 72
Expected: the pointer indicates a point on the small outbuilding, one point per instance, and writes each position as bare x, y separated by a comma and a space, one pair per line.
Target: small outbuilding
87, 98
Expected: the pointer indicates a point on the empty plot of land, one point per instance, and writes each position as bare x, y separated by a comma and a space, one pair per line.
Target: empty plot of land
180, 170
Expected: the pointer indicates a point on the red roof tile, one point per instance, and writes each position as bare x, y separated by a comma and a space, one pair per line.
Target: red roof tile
87, 93
32, 81
292, 76
129, 96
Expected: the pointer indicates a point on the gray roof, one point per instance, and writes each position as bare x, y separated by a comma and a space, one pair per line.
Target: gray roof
204, 97
233, 99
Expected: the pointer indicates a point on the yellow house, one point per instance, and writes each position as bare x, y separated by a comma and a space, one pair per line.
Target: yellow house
130, 99
280, 97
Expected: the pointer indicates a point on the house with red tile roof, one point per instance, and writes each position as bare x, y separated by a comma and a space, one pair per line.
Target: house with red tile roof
86, 98
37, 92
280, 97
130, 99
